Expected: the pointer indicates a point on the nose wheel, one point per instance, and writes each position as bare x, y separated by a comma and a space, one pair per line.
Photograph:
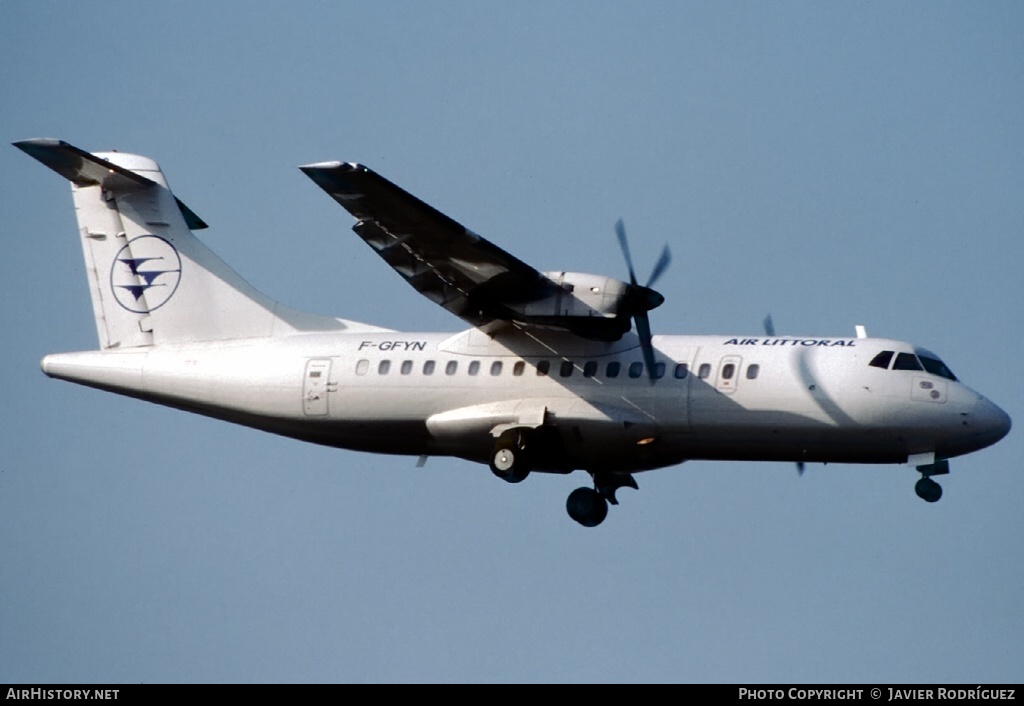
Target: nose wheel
928, 490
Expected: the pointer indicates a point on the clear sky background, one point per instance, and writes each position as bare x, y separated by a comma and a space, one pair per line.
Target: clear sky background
833, 163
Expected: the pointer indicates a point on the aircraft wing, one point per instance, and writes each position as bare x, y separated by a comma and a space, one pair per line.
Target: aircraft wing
442, 259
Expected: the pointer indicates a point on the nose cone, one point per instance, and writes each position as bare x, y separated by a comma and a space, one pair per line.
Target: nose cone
654, 299
989, 422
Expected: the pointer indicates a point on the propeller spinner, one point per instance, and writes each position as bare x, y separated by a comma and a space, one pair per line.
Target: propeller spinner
640, 299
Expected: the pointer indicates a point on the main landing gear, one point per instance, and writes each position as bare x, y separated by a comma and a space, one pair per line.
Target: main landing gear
510, 458
589, 506
586, 506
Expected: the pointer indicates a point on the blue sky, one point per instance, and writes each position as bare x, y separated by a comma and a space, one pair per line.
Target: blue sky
832, 163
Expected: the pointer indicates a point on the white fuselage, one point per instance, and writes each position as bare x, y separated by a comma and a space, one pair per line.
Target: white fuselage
779, 398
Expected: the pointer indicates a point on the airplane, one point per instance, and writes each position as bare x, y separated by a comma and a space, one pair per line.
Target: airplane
557, 372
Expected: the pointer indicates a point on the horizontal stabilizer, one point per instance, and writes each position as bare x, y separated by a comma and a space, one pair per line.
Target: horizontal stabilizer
85, 169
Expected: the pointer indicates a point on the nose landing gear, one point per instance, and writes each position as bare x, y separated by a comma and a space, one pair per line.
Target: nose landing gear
927, 489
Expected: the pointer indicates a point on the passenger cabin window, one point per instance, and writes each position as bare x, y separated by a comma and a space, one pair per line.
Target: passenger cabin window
681, 371
752, 371
881, 360
590, 368
566, 369
518, 368
612, 371
906, 361
406, 367
383, 367
543, 366
428, 367
474, 367
451, 368
636, 369
937, 367
728, 370
704, 371
659, 371
362, 366
496, 368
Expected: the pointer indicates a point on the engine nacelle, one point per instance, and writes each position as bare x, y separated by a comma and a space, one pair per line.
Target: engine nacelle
588, 304
578, 294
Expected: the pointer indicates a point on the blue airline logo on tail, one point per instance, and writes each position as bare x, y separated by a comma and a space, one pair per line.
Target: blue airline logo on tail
145, 274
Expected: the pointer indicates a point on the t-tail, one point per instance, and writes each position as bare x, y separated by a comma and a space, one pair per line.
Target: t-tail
151, 280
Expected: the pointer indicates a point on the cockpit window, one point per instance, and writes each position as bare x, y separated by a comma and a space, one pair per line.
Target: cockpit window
881, 360
909, 361
906, 361
937, 367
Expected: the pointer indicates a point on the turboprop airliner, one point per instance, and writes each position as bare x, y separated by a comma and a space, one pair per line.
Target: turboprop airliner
557, 371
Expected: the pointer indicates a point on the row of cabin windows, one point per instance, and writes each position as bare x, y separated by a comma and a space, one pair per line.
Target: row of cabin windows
613, 369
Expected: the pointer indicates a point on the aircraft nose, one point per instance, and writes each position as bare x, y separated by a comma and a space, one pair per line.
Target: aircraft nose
990, 421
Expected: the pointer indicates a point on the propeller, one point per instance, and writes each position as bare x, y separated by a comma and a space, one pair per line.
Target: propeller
769, 329
639, 300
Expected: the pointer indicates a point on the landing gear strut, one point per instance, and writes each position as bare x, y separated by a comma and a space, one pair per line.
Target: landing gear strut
589, 506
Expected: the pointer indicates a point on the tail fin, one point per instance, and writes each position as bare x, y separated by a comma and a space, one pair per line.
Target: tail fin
152, 281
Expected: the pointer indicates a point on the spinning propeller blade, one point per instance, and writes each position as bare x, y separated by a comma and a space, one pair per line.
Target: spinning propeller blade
639, 300
769, 330
620, 231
